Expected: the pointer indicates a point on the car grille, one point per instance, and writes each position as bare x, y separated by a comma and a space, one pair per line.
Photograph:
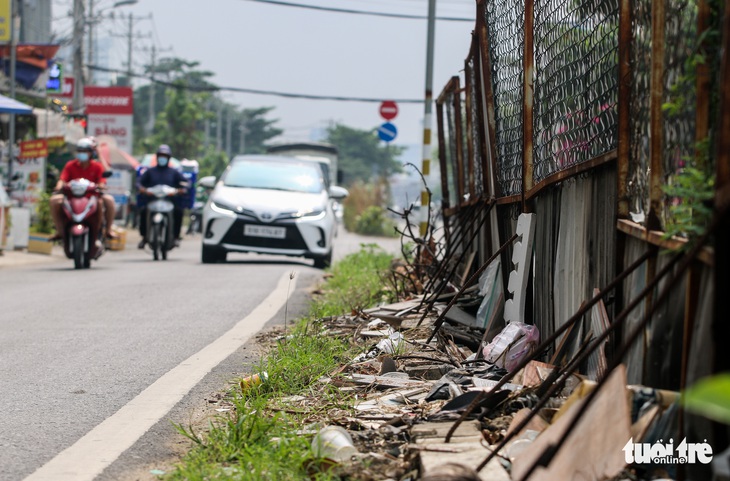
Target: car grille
293, 239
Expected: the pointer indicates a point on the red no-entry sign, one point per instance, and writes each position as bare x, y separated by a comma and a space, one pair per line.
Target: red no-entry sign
388, 110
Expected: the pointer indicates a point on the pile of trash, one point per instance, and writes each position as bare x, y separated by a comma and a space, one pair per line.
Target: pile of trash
430, 410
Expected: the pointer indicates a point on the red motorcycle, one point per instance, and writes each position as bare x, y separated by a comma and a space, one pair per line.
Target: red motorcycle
81, 238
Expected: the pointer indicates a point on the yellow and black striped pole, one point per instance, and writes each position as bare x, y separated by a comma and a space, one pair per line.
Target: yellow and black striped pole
428, 101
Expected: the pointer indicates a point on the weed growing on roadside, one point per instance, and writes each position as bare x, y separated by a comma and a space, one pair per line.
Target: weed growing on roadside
357, 282
268, 435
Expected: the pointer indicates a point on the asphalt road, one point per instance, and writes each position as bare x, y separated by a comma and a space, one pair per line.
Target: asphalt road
77, 348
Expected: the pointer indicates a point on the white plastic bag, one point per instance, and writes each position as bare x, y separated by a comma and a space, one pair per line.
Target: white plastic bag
512, 345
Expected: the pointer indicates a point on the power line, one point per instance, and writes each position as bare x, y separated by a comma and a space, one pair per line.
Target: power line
359, 12
213, 88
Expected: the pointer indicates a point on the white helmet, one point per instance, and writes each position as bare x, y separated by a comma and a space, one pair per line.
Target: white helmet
85, 144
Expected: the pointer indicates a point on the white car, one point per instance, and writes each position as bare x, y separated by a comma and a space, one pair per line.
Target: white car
270, 205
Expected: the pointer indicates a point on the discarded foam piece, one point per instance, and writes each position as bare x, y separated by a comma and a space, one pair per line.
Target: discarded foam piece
514, 307
592, 449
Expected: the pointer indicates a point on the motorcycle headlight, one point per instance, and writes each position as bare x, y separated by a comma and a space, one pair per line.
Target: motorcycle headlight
78, 188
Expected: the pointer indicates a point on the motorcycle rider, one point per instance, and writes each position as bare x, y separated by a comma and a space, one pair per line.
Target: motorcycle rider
161, 174
79, 168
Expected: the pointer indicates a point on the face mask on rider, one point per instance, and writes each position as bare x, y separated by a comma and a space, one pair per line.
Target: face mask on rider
162, 161
83, 156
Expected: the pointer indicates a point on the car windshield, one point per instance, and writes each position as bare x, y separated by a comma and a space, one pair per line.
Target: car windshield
276, 175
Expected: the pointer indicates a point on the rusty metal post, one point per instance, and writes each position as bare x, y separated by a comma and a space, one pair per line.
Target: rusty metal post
456, 138
656, 143
658, 37
490, 122
721, 327
624, 106
528, 100
445, 203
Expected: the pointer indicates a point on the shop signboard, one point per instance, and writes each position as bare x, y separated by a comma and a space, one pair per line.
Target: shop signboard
109, 113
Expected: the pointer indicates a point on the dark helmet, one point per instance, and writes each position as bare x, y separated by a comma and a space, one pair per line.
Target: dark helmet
164, 149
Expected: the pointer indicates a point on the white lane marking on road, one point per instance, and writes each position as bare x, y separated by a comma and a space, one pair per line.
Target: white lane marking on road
101, 446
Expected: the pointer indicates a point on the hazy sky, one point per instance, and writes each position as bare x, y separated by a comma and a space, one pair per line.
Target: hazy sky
268, 47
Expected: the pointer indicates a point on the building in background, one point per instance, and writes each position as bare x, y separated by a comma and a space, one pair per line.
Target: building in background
35, 21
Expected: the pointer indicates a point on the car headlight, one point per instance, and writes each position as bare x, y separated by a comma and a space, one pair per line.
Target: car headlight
312, 212
222, 207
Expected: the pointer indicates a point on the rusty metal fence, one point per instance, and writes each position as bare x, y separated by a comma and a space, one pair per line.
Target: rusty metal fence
587, 107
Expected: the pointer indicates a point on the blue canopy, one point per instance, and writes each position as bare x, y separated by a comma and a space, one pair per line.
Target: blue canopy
12, 106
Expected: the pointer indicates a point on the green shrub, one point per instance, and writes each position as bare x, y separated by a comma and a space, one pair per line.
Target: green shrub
374, 222
43, 223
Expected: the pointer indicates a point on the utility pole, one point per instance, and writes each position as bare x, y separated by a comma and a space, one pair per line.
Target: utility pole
14, 30
206, 143
151, 112
150, 127
244, 131
78, 56
219, 128
130, 36
229, 126
90, 57
129, 49
426, 164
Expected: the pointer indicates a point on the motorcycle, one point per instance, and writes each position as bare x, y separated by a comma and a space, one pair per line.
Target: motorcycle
160, 220
82, 240
196, 218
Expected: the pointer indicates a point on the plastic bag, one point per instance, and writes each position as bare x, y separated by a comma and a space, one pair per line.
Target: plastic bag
512, 345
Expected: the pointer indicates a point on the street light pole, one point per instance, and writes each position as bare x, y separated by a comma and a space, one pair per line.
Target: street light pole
78, 56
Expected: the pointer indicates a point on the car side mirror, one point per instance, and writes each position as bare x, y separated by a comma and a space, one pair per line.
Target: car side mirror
338, 193
208, 181
107, 174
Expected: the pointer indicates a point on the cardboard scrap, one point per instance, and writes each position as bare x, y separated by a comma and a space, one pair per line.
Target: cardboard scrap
537, 423
594, 448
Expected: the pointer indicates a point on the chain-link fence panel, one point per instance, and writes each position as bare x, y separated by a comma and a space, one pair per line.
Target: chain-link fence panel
505, 20
576, 83
475, 127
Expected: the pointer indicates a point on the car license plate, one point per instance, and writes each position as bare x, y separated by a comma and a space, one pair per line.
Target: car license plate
264, 231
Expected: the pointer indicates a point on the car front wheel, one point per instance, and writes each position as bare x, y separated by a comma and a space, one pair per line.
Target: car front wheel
324, 261
212, 254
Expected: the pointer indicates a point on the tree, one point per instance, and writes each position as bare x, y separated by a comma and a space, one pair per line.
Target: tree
257, 131
178, 123
361, 154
